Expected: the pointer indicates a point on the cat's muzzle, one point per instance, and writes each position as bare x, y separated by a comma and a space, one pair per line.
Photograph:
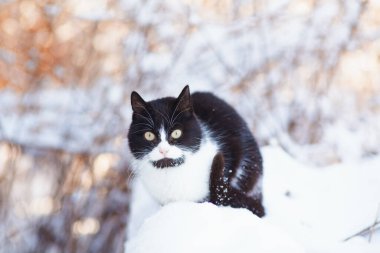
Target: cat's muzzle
168, 162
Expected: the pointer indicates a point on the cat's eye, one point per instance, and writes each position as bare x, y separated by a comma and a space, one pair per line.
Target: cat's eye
149, 136
176, 134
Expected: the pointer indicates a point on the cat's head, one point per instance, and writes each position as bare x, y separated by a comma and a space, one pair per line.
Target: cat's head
165, 130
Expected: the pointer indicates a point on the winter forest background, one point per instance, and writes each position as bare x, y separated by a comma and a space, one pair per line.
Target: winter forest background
305, 74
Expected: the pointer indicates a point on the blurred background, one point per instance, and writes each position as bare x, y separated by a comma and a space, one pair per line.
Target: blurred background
305, 74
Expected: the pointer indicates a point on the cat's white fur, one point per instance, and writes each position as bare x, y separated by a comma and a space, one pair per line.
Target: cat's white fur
188, 181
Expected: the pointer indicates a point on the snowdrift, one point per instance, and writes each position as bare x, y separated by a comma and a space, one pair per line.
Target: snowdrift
204, 228
317, 207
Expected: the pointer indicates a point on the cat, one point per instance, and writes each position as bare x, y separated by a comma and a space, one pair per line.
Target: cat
196, 148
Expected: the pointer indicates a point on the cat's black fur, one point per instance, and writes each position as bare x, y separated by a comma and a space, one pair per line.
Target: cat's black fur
237, 168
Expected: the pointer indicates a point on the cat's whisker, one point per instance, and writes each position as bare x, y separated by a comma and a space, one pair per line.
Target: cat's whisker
150, 116
175, 109
141, 130
165, 118
180, 113
145, 124
150, 120
131, 176
142, 153
137, 152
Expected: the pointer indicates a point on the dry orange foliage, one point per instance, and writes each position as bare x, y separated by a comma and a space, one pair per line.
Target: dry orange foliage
42, 43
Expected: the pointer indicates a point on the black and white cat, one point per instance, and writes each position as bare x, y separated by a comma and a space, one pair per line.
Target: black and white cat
195, 148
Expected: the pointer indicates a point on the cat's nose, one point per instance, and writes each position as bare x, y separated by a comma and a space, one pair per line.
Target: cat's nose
163, 150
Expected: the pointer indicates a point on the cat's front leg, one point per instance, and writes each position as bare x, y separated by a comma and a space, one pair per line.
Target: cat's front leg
223, 194
218, 184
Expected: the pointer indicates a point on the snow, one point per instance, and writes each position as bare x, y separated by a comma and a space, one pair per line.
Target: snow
143, 206
69, 119
321, 207
308, 208
193, 227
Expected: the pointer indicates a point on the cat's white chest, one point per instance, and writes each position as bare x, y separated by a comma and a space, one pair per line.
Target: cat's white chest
187, 182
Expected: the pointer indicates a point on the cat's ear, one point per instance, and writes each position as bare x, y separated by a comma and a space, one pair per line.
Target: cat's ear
137, 102
184, 102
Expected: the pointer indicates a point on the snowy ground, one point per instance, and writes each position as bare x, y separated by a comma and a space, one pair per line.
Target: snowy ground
320, 207
310, 208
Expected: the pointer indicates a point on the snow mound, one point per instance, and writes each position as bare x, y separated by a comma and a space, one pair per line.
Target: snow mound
193, 227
